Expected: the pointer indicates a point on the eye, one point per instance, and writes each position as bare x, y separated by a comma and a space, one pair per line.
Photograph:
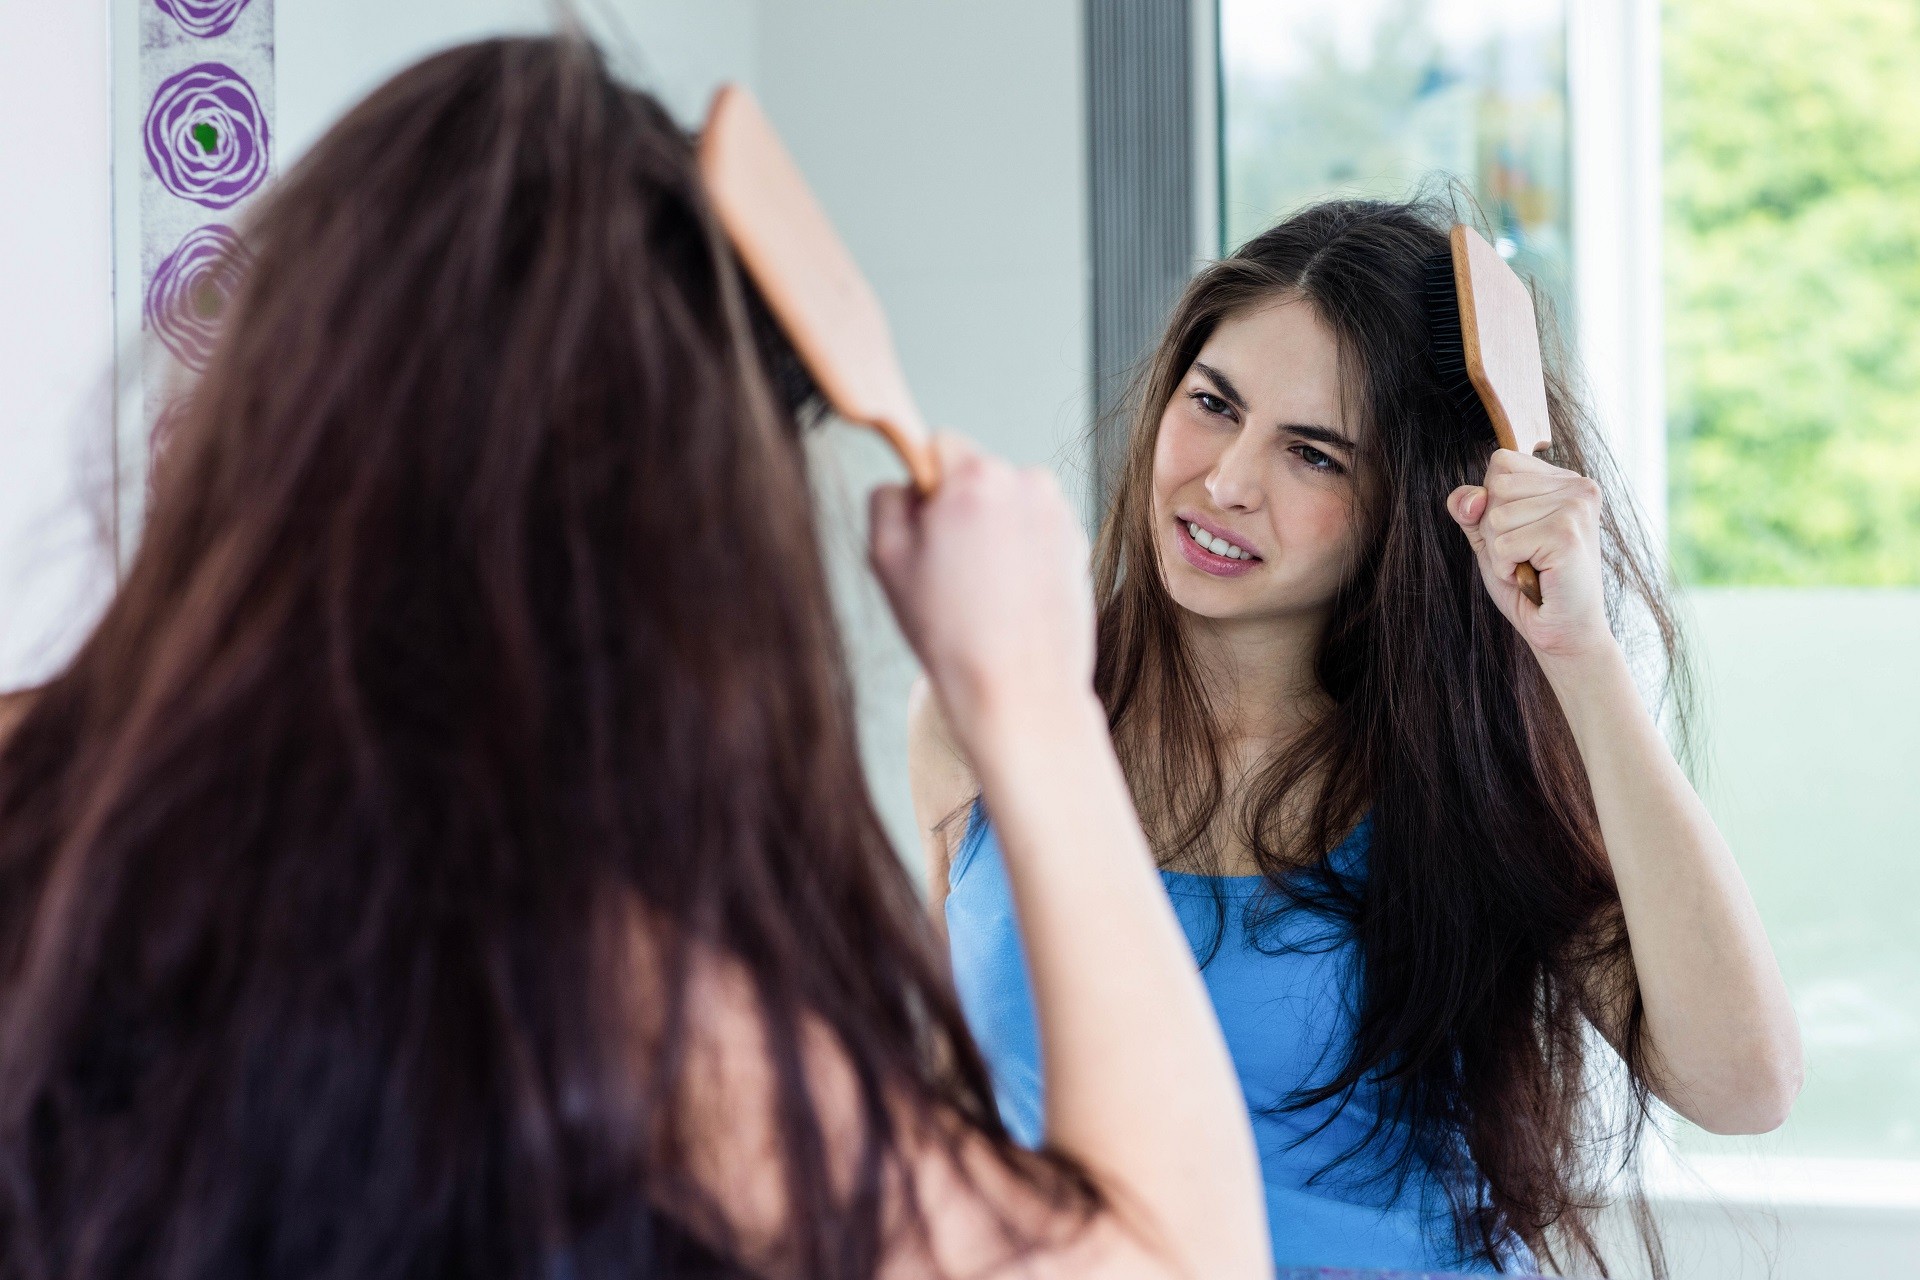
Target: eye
1317, 460
1210, 403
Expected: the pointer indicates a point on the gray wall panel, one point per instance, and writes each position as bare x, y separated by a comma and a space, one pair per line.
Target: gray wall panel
1141, 166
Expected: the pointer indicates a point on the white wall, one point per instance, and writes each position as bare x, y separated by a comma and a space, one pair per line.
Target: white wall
332, 52
55, 332
948, 145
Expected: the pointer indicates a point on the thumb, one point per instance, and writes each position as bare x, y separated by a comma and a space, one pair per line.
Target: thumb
1467, 505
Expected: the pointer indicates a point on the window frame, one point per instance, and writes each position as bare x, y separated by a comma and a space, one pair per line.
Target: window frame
1614, 88
1613, 102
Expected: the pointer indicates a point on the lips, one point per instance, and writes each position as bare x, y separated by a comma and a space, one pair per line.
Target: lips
1218, 541
1232, 561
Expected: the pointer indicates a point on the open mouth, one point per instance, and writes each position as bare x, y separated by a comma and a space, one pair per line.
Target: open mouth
1212, 551
1218, 545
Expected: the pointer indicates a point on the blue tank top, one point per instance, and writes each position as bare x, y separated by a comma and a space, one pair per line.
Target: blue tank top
1286, 1007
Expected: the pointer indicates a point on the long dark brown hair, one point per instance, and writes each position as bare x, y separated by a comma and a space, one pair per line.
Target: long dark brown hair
1487, 921
479, 624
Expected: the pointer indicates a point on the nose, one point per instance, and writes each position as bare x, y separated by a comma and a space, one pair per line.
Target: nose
1234, 483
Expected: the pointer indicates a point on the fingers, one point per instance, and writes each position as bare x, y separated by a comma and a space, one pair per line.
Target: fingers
1544, 542
1513, 513
956, 454
1471, 507
970, 478
1517, 475
1513, 462
987, 578
1530, 512
974, 486
1537, 512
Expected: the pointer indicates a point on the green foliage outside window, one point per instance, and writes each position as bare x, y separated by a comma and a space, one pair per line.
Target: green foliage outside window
1793, 289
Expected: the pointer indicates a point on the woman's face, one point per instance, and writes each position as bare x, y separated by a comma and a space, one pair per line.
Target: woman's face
1256, 453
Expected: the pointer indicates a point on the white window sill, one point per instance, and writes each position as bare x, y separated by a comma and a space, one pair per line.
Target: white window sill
1780, 1182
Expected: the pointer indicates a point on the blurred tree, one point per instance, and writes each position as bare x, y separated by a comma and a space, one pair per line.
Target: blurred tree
1793, 289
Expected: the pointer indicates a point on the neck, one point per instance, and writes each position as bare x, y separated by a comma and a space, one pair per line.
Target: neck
1263, 670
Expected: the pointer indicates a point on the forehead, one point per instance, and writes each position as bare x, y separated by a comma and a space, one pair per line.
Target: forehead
1284, 359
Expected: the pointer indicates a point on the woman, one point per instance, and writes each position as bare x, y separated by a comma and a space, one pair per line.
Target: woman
449, 854
1421, 832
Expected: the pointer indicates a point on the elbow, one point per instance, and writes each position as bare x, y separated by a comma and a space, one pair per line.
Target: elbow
1760, 1094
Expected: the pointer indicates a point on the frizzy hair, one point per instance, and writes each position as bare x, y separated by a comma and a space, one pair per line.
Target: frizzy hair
1487, 923
354, 874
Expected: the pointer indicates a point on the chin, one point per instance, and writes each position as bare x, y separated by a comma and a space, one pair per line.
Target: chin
1233, 599
1207, 597
1216, 610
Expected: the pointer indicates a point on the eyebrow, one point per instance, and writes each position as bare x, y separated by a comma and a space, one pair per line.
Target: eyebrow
1228, 391
1231, 394
1325, 435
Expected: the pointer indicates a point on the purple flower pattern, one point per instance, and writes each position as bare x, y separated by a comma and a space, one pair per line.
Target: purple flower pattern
190, 289
203, 18
206, 136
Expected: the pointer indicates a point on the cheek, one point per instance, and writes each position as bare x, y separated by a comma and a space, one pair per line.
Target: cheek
1324, 519
1183, 453
1332, 518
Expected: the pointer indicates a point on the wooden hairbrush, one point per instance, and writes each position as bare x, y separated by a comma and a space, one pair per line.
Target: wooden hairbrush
809, 280
1486, 345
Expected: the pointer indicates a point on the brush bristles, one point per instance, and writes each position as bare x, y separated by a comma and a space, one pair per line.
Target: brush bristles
1449, 345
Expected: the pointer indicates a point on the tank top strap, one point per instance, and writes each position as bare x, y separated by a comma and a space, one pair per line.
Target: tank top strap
971, 840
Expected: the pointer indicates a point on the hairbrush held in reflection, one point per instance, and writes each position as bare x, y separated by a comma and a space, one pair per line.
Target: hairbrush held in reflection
1486, 345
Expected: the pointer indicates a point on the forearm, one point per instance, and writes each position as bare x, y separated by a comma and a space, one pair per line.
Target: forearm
1724, 1040
1139, 1083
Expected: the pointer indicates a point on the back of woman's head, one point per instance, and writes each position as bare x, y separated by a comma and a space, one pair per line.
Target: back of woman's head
1487, 906
478, 629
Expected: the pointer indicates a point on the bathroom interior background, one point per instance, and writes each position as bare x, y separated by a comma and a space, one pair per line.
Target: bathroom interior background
1721, 199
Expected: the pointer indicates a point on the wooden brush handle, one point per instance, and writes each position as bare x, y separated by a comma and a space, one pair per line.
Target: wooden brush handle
922, 464
1502, 343
915, 446
1529, 581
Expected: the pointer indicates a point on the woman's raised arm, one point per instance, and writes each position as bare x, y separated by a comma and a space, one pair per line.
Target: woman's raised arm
988, 579
1725, 1046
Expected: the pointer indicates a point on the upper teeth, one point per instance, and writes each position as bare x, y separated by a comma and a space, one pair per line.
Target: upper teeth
1219, 546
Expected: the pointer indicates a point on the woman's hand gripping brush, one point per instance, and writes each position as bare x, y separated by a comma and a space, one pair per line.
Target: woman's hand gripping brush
1725, 1046
988, 578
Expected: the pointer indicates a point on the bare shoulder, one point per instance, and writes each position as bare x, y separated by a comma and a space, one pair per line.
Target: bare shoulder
940, 770
943, 785
978, 1213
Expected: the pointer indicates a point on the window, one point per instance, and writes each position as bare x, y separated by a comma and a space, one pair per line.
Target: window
1787, 160
1375, 97
1791, 167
